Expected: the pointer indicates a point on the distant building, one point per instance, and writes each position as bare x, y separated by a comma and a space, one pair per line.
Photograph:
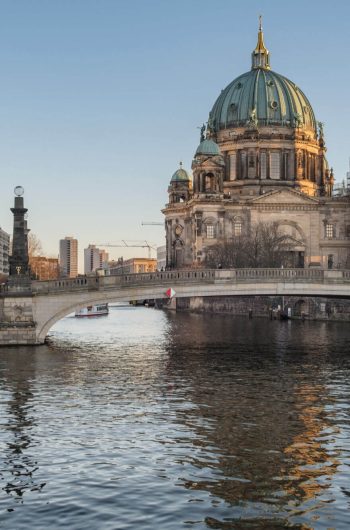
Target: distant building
104, 257
95, 258
4, 251
69, 257
43, 268
133, 266
91, 259
161, 257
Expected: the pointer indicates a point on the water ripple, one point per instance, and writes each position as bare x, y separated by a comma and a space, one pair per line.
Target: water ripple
151, 420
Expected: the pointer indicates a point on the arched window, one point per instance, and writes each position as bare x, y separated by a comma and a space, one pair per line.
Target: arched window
209, 182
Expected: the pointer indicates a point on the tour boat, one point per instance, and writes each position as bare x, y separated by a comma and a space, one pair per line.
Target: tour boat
93, 311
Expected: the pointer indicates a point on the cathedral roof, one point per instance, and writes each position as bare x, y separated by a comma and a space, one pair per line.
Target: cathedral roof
208, 147
262, 97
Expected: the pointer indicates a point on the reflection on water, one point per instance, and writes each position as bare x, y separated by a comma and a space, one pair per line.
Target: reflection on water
144, 419
19, 468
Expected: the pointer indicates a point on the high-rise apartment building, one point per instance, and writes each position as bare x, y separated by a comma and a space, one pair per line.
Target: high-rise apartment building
95, 258
4, 251
69, 257
104, 257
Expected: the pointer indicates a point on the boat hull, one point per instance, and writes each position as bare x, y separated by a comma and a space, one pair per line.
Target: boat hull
93, 311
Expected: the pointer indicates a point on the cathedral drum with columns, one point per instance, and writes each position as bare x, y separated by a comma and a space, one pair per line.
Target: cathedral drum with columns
261, 159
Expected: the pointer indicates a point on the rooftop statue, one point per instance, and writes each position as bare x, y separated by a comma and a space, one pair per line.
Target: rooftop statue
298, 119
320, 125
253, 120
202, 138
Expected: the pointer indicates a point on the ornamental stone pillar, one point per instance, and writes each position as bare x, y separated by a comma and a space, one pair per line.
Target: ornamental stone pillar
19, 260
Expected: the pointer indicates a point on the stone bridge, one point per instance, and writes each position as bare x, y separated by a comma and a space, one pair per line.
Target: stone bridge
27, 313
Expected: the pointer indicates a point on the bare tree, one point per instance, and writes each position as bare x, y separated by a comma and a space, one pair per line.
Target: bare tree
264, 245
34, 246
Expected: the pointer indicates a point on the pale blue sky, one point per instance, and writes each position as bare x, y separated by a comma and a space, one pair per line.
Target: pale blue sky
100, 99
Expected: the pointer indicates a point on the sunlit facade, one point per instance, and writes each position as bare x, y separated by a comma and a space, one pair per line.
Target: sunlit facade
261, 158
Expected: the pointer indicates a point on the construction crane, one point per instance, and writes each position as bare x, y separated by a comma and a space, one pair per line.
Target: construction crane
151, 223
131, 244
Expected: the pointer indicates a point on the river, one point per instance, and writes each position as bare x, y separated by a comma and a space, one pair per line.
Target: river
151, 420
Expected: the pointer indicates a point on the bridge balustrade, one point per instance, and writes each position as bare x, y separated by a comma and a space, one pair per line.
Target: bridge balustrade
283, 274
169, 278
160, 277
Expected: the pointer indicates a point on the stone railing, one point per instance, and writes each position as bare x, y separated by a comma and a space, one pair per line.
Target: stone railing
173, 277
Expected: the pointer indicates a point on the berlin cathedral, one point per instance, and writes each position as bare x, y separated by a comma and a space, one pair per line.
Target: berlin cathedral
261, 159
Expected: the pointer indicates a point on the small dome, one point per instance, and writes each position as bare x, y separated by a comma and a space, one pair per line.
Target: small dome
208, 147
180, 176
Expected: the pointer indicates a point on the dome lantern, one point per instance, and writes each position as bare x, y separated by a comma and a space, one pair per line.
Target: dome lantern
260, 56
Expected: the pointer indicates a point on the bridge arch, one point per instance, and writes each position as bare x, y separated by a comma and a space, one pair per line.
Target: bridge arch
48, 319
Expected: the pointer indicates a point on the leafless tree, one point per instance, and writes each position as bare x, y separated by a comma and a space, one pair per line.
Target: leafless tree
264, 245
34, 246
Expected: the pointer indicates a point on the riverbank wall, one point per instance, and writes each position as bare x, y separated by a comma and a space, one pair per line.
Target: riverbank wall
311, 308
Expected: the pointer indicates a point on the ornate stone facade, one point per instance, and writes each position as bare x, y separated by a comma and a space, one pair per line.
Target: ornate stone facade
261, 159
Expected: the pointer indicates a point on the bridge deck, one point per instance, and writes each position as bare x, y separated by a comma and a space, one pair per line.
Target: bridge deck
201, 276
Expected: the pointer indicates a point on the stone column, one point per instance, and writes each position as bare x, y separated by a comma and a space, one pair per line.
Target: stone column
202, 182
197, 183
19, 260
168, 240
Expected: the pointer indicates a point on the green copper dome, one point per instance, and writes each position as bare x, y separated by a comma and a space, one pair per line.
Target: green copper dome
262, 97
180, 176
208, 147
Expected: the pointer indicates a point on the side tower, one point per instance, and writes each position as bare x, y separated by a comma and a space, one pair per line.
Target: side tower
177, 225
208, 169
180, 186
